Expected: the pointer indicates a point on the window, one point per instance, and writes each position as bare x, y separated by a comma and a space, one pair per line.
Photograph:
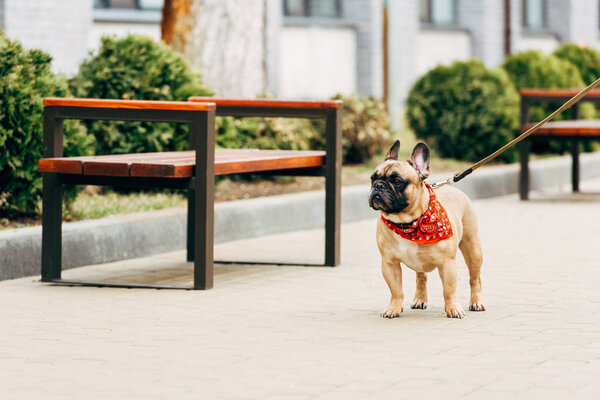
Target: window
139, 4
438, 12
534, 14
312, 8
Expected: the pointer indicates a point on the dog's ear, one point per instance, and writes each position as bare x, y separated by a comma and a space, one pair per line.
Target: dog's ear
419, 159
393, 153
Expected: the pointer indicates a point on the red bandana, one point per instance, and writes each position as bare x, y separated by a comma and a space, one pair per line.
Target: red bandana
430, 227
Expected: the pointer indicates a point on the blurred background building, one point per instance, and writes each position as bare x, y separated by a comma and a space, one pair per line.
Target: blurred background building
311, 48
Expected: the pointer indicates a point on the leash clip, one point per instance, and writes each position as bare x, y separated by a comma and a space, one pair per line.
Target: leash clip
439, 184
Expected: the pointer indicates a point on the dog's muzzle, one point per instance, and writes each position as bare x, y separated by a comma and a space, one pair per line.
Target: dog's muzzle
379, 197
383, 198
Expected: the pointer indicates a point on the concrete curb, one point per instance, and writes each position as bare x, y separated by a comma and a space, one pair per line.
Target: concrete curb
130, 236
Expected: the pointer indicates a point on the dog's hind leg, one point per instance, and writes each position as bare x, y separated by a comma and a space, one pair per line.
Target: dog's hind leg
470, 247
420, 300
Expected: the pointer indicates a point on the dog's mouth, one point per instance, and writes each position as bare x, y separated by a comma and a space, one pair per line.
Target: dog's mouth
381, 200
378, 200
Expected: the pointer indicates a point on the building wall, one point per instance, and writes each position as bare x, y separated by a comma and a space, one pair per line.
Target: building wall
403, 51
2, 5
367, 18
547, 43
121, 29
60, 28
484, 21
337, 55
545, 40
574, 21
123, 22
441, 46
317, 62
274, 20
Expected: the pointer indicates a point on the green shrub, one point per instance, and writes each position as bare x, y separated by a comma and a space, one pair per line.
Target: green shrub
25, 79
534, 69
365, 128
264, 133
136, 68
585, 59
464, 111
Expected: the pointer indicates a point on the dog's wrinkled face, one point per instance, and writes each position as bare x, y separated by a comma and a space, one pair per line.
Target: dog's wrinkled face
395, 184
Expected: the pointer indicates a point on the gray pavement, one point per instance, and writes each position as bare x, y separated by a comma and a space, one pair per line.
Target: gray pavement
302, 333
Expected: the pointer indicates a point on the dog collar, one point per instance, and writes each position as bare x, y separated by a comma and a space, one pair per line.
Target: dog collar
431, 227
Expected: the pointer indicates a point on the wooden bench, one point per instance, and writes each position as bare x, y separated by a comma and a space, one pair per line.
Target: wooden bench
574, 130
193, 170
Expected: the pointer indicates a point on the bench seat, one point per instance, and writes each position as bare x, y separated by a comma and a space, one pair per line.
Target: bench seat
572, 128
180, 164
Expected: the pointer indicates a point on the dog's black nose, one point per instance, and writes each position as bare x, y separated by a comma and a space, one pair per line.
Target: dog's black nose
379, 185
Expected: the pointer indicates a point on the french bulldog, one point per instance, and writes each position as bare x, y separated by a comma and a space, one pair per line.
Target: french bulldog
423, 229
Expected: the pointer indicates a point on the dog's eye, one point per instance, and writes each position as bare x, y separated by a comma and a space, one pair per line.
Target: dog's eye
396, 181
373, 177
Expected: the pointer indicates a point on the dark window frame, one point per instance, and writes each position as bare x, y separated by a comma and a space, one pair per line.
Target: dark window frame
134, 5
428, 18
544, 16
308, 10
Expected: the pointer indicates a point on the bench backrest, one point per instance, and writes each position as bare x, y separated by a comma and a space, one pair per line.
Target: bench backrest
199, 117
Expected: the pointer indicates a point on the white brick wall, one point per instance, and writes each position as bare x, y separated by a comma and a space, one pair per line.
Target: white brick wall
317, 62
60, 28
367, 17
120, 29
403, 52
485, 22
440, 46
584, 22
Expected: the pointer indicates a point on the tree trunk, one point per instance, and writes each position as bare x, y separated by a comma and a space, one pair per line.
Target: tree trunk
223, 39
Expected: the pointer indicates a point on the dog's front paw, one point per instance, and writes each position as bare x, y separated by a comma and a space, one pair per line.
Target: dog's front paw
420, 304
454, 311
476, 306
392, 312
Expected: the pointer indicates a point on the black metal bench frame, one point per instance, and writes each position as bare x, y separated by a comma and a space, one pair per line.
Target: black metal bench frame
524, 146
200, 227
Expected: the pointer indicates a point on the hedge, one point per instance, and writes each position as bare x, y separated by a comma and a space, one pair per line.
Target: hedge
25, 79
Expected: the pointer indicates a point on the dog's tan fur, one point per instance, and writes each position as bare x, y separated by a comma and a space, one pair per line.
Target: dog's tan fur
424, 258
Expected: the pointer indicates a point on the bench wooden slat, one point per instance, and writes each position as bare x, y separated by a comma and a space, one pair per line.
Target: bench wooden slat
181, 164
269, 102
580, 127
130, 104
556, 93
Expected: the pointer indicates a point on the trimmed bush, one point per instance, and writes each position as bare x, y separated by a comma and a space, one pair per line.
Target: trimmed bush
264, 133
365, 128
25, 79
464, 111
585, 59
136, 68
534, 69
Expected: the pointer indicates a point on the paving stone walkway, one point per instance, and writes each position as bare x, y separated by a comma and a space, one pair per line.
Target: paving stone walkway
315, 333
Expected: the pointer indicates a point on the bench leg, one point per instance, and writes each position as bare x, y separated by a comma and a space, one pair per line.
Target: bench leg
524, 173
51, 228
203, 196
575, 169
191, 229
333, 179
